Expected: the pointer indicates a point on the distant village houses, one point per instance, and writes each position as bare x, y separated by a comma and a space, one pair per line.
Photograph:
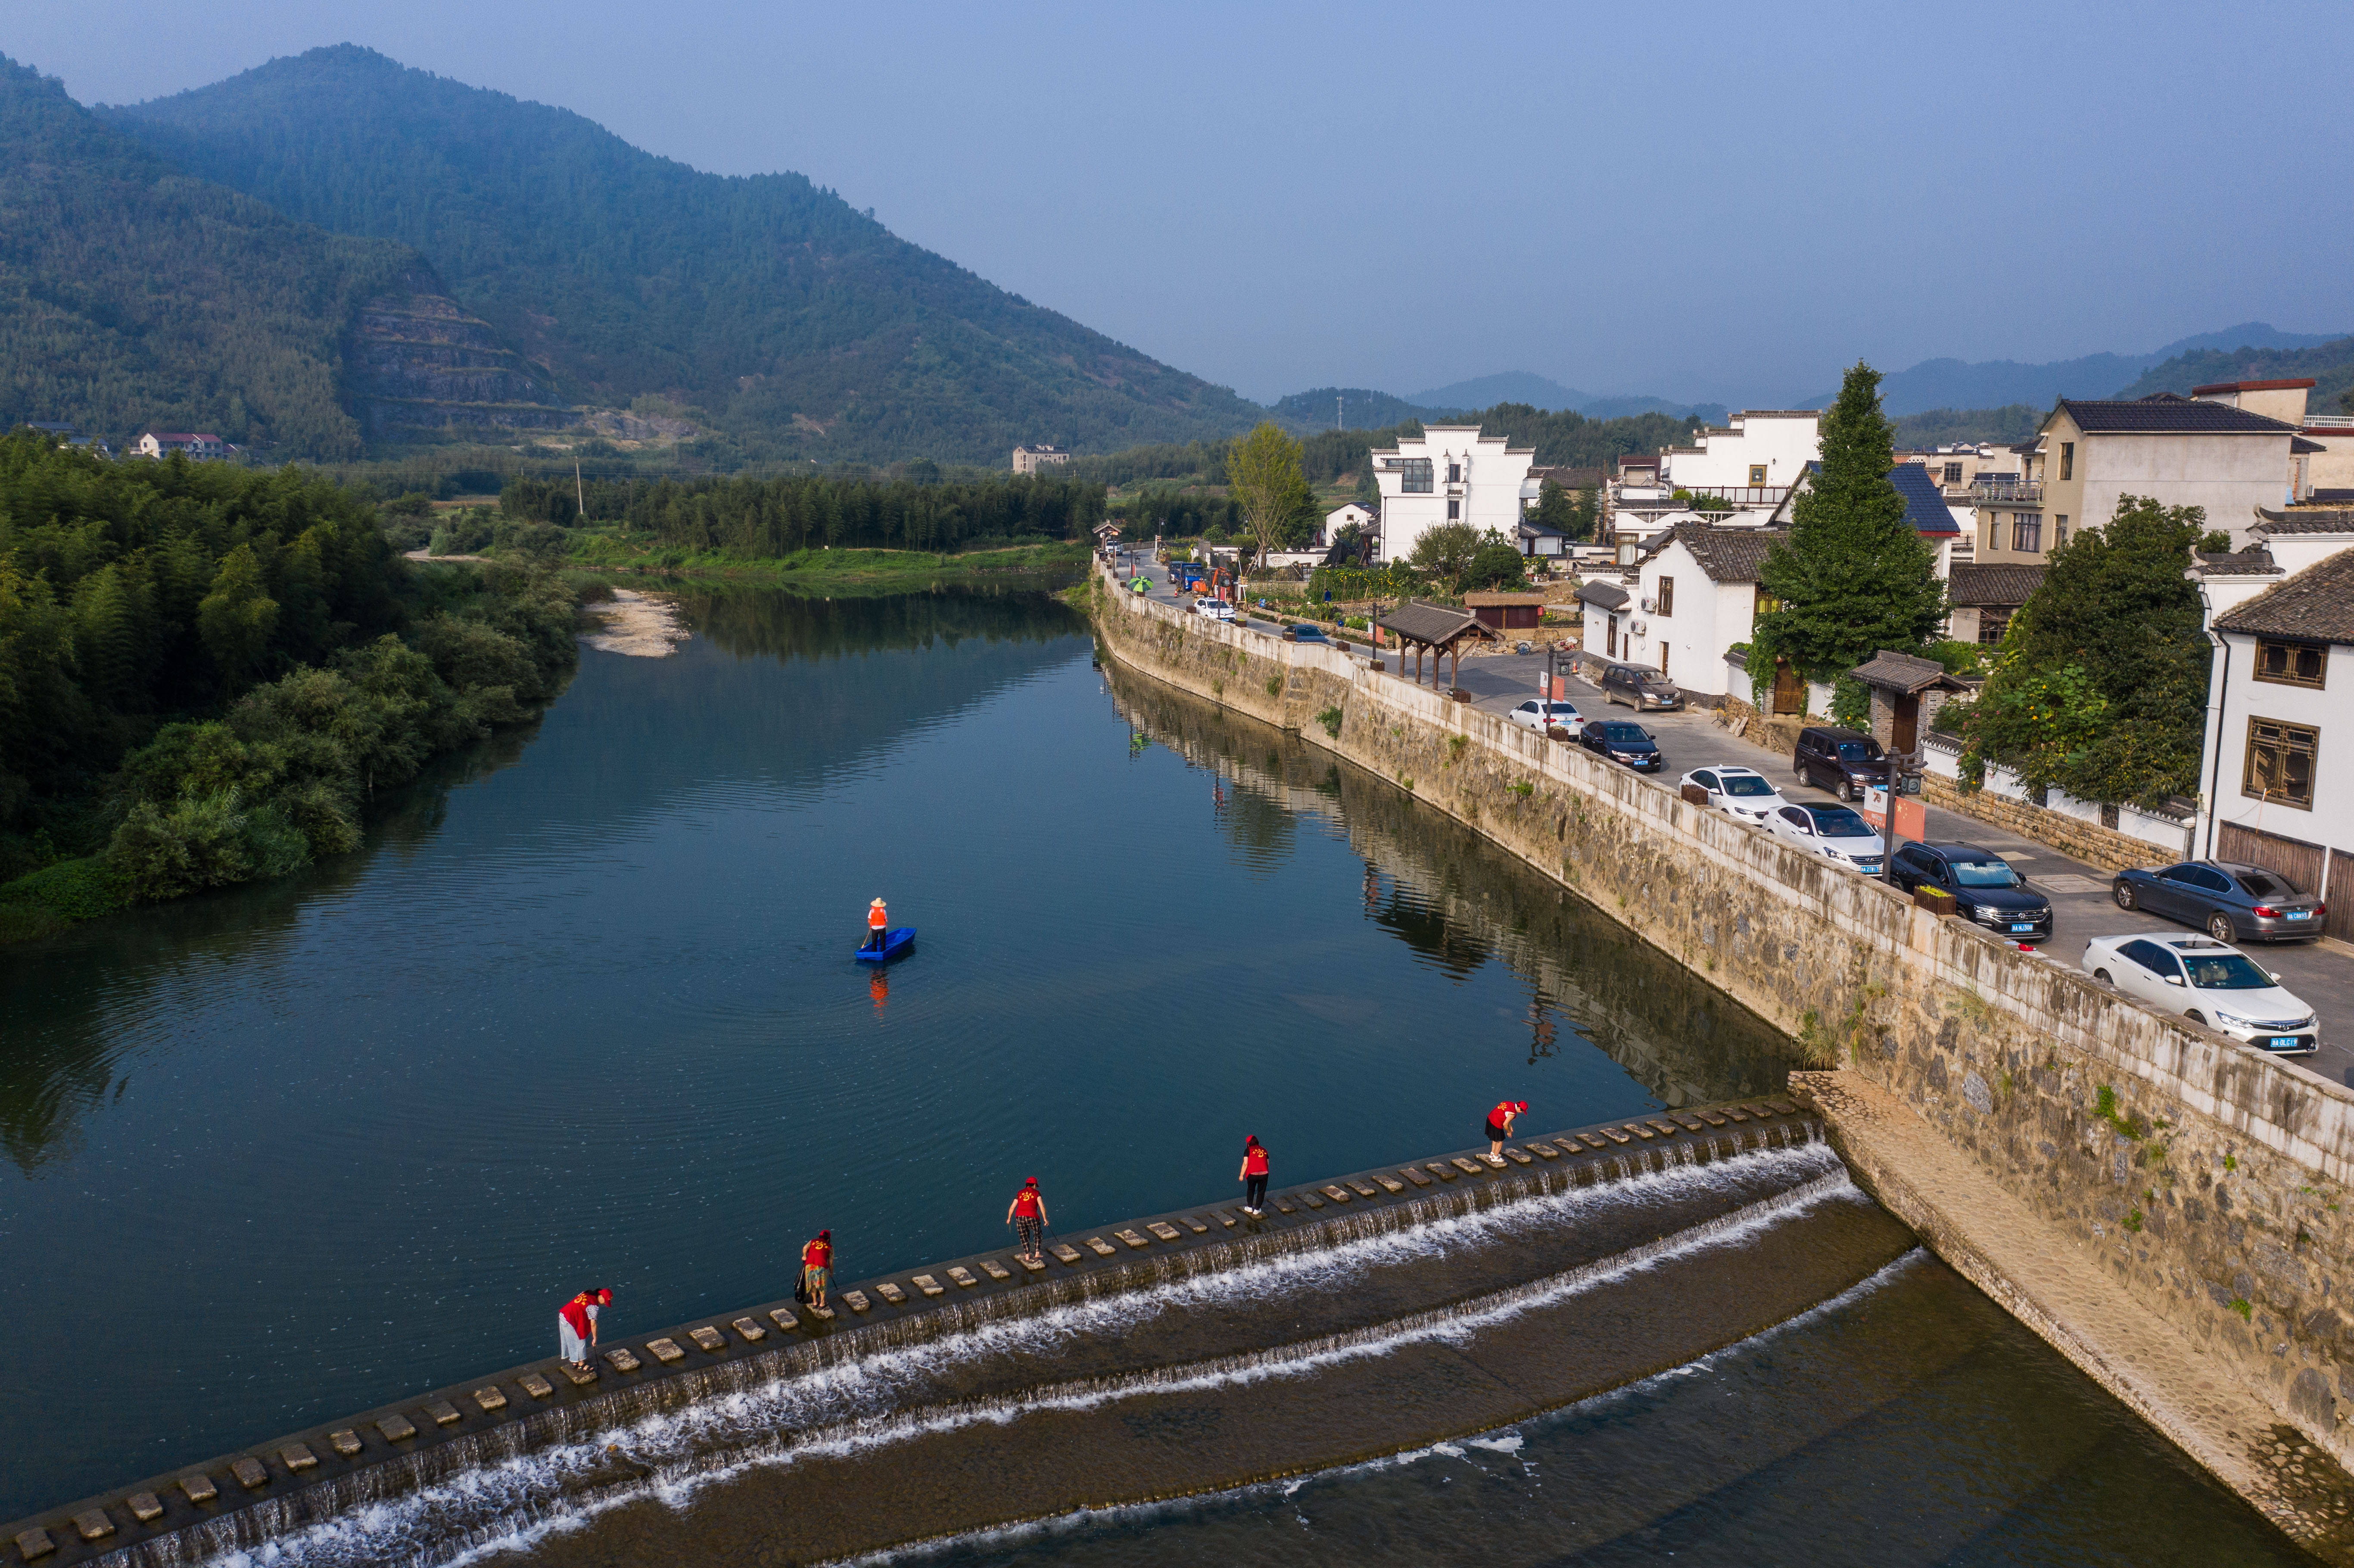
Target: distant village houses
201, 446
1030, 459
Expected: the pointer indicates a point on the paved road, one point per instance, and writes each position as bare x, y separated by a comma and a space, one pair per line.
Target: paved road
2321, 973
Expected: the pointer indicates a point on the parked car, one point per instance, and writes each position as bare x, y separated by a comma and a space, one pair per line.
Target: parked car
2213, 984
1539, 715
1842, 761
1742, 792
1640, 687
1622, 742
1835, 831
1987, 888
1305, 634
1215, 608
2235, 903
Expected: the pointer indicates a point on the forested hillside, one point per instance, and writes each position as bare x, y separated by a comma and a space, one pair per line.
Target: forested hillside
2330, 365
798, 325
208, 671
131, 295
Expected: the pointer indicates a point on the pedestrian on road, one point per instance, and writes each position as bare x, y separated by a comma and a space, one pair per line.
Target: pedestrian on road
1028, 1212
576, 1325
1500, 1125
1253, 1175
817, 1267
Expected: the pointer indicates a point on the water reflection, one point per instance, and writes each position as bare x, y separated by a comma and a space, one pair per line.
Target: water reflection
1458, 904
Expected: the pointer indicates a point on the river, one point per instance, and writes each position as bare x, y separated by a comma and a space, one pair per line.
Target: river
582, 1011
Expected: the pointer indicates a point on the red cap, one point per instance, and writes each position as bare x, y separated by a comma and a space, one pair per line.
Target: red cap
1030, 1182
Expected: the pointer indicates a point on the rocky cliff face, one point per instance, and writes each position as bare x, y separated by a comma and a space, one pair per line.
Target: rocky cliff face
415, 365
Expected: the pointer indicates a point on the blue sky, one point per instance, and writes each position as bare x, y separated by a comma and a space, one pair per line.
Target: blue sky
1725, 203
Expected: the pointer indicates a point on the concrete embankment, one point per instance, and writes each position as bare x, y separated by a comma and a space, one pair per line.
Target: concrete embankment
2198, 1183
496, 1458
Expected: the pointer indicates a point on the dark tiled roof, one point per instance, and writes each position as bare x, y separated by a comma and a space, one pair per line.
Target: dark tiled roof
1609, 595
1726, 555
1997, 584
2255, 561
2332, 520
2298, 444
1484, 600
2165, 415
1432, 624
1925, 504
1573, 478
2252, 387
1894, 672
2316, 604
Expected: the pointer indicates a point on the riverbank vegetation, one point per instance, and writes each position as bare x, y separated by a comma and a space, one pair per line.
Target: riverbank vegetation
207, 672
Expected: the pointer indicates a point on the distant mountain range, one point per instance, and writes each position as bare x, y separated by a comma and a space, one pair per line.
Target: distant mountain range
1544, 392
1954, 384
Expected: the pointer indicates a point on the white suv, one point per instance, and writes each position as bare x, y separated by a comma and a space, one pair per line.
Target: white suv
1836, 833
1539, 715
1215, 608
2211, 984
1741, 793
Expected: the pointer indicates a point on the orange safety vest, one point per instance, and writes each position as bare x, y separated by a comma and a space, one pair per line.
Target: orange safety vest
876, 920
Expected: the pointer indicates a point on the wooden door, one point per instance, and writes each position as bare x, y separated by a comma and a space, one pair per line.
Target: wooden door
1904, 728
1789, 692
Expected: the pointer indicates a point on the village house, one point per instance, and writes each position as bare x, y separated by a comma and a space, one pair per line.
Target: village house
2277, 768
1985, 596
1749, 465
1924, 509
157, 443
1030, 459
2207, 451
1695, 599
1449, 473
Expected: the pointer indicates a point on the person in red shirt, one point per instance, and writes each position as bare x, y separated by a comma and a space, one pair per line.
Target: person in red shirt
817, 1267
879, 925
1254, 1175
1500, 1127
576, 1325
1028, 1212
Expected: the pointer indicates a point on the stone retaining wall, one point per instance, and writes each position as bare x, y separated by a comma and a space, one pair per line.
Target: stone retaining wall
2088, 842
2208, 1178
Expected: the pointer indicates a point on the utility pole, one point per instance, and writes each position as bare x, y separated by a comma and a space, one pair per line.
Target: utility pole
579, 495
1338, 421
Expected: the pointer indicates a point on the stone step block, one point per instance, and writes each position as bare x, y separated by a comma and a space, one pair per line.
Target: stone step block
824, 1313
1165, 1231
1617, 1135
445, 1413
784, 1319
1546, 1150
93, 1524
624, 1360
535, 1385
1196, 1226
749, 1330
707, 1338
1591, 1139
253, 1475
1443, 1172
666, 1351
1519, 1157
33, 1545
346, 1442
297, 1458
994, 1270
1338, 1194
929, 1285
145, 1506
492, 1399
892, 1293
1392, 1184
1100, 1247
1639, 1130
1363, 1189
1414, 1175
1038, 1265
578, 1376
1469, 1167
199, 1488
1068, 1253
1311, 1200
1493, 1161
856, 1300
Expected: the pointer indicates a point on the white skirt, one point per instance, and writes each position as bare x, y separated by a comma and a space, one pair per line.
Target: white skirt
569, 1345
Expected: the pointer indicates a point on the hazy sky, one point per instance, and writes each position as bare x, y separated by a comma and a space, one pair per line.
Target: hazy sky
1694, 201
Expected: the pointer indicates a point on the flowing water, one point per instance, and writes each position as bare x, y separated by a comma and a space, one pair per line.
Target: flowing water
583, 1013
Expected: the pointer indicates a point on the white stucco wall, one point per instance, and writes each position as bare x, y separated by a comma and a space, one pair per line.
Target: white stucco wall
1488, 491
1785, 442
1709, 618
2229, 476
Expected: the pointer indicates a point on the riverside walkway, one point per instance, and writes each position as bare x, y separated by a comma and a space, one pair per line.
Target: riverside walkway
248, 1498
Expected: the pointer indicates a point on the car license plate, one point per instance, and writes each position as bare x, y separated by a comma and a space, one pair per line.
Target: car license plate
2300, 913
2021, 926
2284, 1043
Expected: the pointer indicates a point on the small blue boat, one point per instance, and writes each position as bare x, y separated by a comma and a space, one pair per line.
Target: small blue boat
901, 939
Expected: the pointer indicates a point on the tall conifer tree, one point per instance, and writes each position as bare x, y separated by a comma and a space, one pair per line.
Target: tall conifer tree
1855, 577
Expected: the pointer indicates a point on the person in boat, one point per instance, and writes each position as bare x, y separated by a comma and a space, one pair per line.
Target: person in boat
1500, 1127
817, 1267
1028, 1215
878, 926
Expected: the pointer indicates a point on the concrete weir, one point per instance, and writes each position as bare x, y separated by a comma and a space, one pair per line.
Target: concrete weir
2198, 1187
272, 1490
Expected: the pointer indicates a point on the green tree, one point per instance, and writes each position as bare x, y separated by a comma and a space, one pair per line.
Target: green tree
1263, 477
235, 618
2101, 688
1855, 577
1558, 509
1495, 565
1445, 553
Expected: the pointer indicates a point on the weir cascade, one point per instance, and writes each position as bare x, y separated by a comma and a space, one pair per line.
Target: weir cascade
2200, 1183
979, 1341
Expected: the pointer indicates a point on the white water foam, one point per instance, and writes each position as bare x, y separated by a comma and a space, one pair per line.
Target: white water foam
670, 1455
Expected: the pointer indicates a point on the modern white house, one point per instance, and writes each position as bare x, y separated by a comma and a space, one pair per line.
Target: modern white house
1695, 599
1353, 514
1752, 462
156, 443
1450, 473
2276, 775
1033, 458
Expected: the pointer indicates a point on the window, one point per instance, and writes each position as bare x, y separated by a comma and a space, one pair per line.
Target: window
2067, 459
2059, 530
1454, 474
1610, 646
1453, 509
1767, 604
1417, 472
2280, 762
1664, 658
1953, 473
1992, 624
1667, 595
1756, 473
1706, 781
2291, 664
2027, 531
2151, 957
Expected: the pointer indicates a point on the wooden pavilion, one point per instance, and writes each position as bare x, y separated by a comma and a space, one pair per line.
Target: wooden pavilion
1437, 629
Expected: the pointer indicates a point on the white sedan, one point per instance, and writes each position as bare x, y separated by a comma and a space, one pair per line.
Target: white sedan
2211, 984
1215, 608
1741, 793
1539, 715
1836, 833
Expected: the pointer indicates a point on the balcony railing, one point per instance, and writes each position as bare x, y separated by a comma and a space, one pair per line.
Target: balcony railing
1740, 494
2007, 490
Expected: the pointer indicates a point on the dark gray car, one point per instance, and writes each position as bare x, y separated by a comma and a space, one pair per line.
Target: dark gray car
1987, 889
1843, 761
1640, 687
2235, 903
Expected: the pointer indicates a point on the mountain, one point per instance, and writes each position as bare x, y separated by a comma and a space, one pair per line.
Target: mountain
1954, 384
796, 325
2330, 365
1511, 386
132, 296
1304, 413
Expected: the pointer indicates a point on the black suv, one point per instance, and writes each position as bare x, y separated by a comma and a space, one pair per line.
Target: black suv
1840, 761
1619, 741
1986, 889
